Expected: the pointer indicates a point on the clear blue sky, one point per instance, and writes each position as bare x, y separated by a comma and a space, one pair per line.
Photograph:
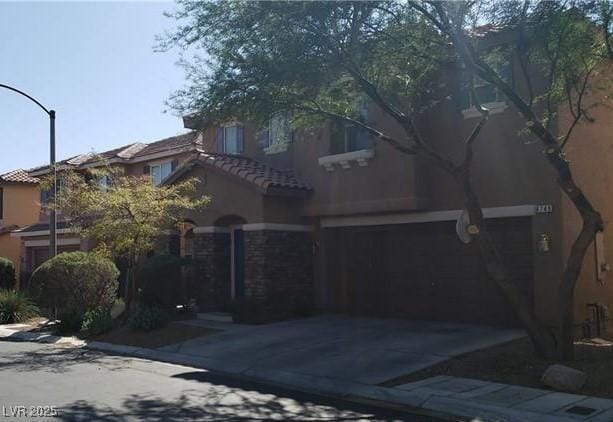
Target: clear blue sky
92, 62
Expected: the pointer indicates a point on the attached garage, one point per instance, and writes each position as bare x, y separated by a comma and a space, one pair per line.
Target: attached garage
422, 271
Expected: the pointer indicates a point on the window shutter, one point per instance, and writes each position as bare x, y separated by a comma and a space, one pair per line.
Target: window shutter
219, 140
173, 165
1, 202
147, 170
241, 139
337, 137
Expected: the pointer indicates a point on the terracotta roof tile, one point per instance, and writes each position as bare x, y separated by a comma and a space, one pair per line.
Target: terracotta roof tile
18, 176
166, 144
127, 152
253, 171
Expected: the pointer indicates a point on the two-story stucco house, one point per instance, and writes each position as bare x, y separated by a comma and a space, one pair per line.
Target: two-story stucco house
352, 226
359, 228
19, 207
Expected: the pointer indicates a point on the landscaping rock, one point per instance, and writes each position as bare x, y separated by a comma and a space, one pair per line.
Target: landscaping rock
563, 378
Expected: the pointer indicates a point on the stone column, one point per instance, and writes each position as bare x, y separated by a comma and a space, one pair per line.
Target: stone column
279, 270
210, 282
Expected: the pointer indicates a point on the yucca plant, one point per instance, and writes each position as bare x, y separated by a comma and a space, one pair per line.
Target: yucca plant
16, 307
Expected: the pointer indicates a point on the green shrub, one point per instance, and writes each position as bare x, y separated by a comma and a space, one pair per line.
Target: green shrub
96, 323
7, 273
16, 307
75, 282
71, 321
148, 318
159, 281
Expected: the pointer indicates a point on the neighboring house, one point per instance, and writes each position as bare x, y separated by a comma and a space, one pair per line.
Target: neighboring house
19, 207
157, 159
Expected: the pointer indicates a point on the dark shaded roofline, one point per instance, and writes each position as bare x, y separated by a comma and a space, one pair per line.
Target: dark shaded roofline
268, 180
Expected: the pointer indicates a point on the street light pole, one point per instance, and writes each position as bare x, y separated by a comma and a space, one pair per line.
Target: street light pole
52, 214
52, 169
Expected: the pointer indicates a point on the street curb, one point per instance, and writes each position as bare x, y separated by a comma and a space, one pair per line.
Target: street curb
372, 395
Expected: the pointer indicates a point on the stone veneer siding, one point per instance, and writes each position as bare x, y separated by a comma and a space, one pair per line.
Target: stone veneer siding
279, 265
209, 282
167, 244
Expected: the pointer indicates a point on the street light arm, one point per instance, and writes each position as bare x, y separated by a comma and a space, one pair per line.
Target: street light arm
27, 96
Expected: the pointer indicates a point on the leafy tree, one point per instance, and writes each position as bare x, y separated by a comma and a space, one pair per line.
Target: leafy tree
320, 59
124, 218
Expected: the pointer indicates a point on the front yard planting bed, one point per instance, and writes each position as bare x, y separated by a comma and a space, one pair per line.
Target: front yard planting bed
170, 334
516, 363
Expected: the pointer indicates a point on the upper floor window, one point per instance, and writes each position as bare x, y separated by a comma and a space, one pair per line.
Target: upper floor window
488, 95
230, 139
46, 194
104, 182
278, 133
345, 137
160, 172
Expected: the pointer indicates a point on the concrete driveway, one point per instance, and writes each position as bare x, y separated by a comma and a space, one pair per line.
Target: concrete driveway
364, 350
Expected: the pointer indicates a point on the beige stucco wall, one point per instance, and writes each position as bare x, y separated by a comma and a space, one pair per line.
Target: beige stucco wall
21, 204
590, 152
20, 208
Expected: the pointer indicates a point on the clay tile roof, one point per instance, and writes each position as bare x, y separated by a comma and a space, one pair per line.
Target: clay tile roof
18, 176
255, 172
42, 227
179, 141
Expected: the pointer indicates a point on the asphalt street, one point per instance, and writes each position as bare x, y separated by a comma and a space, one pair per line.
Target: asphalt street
41, 380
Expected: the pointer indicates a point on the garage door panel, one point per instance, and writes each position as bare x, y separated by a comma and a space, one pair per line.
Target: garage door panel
424, 271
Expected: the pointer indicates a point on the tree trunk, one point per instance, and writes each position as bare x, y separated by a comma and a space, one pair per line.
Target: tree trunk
542, 338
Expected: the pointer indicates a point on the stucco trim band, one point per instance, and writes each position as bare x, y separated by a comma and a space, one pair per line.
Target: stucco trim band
211, 229
43, 242
278, 227
39, 233
425, 217
255, 227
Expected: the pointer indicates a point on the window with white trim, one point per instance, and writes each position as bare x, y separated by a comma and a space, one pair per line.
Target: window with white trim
346, 137
160, 172
230, 139
488, 94
104, 182
278, 133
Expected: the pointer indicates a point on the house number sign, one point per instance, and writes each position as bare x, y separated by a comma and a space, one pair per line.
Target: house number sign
544, 209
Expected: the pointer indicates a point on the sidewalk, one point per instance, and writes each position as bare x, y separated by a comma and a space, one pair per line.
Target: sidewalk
441, 395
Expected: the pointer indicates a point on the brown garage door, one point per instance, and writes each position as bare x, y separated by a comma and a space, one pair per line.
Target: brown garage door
423, 271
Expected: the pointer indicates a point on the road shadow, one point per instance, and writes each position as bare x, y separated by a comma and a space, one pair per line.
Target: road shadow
222, 406
56, 359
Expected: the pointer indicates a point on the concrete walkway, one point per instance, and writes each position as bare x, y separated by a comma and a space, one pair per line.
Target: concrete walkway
493, 401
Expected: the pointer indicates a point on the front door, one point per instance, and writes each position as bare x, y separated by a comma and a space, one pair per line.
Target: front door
238, 263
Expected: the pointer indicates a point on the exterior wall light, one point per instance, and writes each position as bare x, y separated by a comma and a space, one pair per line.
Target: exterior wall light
544, 243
